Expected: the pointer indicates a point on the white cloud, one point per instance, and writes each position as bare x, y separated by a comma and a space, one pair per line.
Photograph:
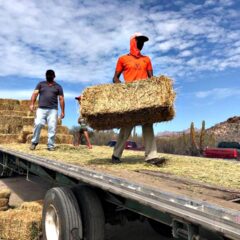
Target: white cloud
219, 93
81, 40
26, 94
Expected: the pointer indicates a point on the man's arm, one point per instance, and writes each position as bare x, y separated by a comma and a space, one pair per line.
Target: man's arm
150, 73
116, 77
33, 99
62, 105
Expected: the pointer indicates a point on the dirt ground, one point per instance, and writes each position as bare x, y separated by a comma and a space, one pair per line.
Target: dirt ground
35, 189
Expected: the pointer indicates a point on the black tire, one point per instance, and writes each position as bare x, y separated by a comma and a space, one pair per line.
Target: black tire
160, 228
92, 213
61, 211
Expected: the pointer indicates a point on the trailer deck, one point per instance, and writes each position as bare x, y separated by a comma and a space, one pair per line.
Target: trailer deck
146, 191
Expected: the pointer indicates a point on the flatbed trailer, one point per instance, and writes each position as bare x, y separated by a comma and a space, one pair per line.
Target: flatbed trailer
87, 198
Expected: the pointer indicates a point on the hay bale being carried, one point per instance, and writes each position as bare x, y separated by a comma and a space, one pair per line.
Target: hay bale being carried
118, 105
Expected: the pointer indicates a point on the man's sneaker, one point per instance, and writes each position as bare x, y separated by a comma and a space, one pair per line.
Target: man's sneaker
156, 161
115, 159
51, 148
33, 146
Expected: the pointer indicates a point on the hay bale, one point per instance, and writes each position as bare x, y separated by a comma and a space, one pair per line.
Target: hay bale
15, 113
62, 130
20, 224
8, 138
32, 206
4, 202
6, 101
10, 129
5, 208
118, 105
11, 120
60, 139
26, 130
5, 193
9, 104
30, 121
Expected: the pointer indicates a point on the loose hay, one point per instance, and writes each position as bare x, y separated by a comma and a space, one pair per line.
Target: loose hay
219, 172
118, 105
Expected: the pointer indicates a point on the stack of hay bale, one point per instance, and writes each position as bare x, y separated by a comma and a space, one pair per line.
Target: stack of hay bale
4, 199
118, 105
21, 223
16, 124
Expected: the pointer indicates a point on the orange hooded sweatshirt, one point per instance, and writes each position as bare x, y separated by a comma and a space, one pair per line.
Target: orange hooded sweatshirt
134, 65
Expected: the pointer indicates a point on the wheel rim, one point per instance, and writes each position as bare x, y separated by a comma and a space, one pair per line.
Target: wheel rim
52, 227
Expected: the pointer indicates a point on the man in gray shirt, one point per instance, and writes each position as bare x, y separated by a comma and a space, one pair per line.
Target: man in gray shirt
49, 91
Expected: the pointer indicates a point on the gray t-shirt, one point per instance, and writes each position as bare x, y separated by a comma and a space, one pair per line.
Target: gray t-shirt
48, 95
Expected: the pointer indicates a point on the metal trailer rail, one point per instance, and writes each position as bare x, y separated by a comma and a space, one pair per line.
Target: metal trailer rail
181, 208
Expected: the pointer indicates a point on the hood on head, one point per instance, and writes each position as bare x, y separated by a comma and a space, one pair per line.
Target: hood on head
133, 44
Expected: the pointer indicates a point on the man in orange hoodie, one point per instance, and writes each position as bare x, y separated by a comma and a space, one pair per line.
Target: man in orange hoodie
134, 67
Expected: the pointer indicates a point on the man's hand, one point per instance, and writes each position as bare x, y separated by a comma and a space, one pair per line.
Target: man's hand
33, 100
116, 77
117, 81
62, 115
31, 107
62, 105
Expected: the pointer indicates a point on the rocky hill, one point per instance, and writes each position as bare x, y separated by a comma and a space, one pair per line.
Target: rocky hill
228, 130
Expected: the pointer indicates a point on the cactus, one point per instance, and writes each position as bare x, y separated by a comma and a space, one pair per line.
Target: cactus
202, 137
194, 146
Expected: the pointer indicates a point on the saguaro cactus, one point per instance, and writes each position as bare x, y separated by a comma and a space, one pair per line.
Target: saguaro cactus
202, 137
194, 146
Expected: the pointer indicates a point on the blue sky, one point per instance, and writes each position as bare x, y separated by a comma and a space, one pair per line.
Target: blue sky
197, 43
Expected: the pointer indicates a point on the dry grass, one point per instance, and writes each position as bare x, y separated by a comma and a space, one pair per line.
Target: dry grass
217, 172
110, 106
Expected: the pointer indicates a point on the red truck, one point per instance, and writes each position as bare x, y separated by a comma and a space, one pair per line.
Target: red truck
227, 150
130, 145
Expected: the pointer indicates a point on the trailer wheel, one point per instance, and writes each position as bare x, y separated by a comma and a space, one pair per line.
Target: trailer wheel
61, 215
160, 228
92, 213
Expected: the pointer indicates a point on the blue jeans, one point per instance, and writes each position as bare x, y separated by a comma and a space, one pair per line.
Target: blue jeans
44, 116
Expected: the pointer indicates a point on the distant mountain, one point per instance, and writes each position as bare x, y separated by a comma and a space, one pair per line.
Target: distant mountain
171, 134
228, 130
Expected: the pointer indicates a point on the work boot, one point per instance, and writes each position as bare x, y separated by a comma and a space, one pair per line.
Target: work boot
156, 161
115, 159
51, 148
33, 146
